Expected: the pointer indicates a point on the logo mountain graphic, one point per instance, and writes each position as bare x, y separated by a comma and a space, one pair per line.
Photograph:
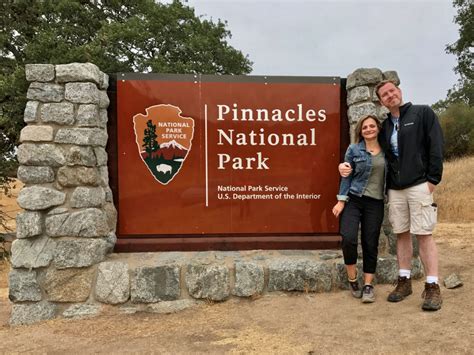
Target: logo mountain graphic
164, 139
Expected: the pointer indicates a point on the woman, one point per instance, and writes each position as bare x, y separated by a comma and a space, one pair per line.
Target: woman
360, 200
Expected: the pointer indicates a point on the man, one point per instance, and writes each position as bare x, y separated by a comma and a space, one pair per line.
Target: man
412, 140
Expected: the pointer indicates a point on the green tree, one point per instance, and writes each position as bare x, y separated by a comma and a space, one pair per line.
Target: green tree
463, 91
458, 127
116, 35
149, 140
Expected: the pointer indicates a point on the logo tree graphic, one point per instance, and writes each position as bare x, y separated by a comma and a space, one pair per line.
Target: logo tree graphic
149, 140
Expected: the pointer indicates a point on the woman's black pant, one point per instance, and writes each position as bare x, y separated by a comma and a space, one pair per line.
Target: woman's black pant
368, 212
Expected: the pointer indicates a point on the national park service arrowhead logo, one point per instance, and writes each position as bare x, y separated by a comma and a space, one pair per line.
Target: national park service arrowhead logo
163, 138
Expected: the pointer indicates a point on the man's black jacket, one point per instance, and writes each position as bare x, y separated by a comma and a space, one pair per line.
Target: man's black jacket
420, 147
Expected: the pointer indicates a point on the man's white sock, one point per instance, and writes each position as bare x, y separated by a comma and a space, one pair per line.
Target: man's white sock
432, 279
404, 273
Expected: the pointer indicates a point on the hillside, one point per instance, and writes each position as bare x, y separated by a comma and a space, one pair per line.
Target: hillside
455, 194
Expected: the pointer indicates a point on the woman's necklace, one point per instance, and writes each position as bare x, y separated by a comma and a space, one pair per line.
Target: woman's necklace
373, 149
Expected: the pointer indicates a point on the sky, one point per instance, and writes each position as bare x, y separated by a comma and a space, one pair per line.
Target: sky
335, 37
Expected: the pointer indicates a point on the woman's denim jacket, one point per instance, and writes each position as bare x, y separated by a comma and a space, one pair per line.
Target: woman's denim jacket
361, 163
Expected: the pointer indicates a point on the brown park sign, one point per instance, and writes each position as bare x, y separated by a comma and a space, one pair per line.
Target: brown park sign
221, 158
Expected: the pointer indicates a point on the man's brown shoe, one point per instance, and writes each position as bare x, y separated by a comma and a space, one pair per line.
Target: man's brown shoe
432, 296
402, 290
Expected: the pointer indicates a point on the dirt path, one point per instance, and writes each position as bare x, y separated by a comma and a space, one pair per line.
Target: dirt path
277, 323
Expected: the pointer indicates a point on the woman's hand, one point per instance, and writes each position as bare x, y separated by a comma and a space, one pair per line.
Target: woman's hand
338, 207
345, 169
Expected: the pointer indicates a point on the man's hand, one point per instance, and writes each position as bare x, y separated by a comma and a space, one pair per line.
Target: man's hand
431, 187
345, 169
337, 209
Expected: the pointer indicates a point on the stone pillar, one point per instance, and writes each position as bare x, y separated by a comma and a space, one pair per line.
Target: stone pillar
362, 101
68, 225
361, 97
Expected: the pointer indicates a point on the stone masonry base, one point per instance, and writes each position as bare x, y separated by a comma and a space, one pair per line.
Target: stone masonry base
171, 281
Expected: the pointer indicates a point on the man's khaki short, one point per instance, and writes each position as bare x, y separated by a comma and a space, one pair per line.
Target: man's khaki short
412, 209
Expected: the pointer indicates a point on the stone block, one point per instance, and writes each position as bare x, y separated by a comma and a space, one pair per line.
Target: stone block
23, 286
104, 175
87, 197
382, 112
32, 253
357, 94
81, 311
388, 232
78, 72
82, 93
111, 240
153, 284
104, 81
91, 222
40, 198
387, 270
111, 213
168, 307
391, 75
77, 155
79, 252
208, 281
364, 76
384, 246
170, 257
103, 99
340, 276
104, 117
31, 111
57, 210
24, 314
77, 176
88, 116
357, 111
109, 196
82, 136
415, 245
29, 224
59, 113
417, 271
40, 154
36, 134
249, 279
296, 252
45, 92
329, 254
299, 275
101, 156
113, 283
68, 285
39, 72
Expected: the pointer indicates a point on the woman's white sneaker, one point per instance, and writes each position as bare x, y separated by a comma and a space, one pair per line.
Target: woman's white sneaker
368, 294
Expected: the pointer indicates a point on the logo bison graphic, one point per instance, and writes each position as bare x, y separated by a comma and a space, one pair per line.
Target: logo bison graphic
164, 139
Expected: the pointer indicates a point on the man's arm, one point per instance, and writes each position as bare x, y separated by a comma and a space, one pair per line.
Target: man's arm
435, 143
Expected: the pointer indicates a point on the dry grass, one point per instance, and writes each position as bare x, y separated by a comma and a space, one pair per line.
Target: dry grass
9, 206
455, 194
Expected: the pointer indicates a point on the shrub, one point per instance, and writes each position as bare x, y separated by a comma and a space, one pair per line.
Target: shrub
457, 122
